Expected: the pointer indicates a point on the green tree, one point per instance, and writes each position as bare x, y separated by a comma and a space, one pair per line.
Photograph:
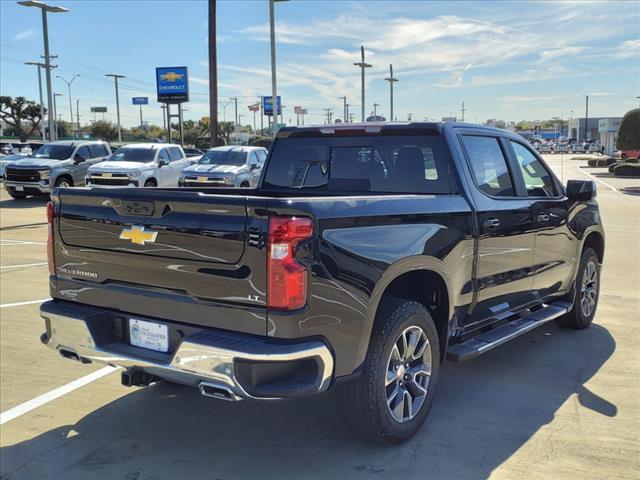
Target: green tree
259, 141
64, 129
104, 130
225, 129
21, 114
629, 133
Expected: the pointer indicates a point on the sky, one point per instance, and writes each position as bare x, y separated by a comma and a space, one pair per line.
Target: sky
507, 60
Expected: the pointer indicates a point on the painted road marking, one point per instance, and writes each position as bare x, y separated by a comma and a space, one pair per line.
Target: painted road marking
30, 302
597, 179
8, 243
34, 403
25, 265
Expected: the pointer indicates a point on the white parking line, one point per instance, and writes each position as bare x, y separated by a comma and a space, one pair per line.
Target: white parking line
10, 243
597, 179
24, 265
30, 302
34, 403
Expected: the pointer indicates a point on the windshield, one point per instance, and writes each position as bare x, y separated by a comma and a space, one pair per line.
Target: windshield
223, 157
133, 155
54, 152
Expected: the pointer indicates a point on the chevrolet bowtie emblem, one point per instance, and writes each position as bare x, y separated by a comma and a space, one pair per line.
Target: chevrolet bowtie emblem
138, 235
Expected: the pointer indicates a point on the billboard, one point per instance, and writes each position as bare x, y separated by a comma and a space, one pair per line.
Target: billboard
140, 100
172, 84
98, 109
267, 105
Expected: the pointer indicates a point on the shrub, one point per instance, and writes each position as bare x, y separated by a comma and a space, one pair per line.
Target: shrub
627, 170
601, 162
614, 165
260, 142
632, 160
629, 133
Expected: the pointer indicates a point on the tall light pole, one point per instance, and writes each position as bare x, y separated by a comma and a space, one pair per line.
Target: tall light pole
362, 64
55, 113
235, 101
69, 90
42, 129
47, 57
213, 76
115, 78
391, 79
375, 109
586, 119
274, 90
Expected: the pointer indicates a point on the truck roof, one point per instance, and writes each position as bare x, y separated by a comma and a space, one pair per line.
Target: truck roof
73, 143
374, 127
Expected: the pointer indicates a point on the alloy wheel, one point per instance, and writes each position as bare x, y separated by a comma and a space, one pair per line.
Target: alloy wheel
408, 373
589, 291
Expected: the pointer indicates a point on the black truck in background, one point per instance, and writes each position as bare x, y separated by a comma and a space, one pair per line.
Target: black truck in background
368, 254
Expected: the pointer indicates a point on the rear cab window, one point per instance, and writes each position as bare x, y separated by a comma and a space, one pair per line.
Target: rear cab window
394, 162
98, 150
175, 154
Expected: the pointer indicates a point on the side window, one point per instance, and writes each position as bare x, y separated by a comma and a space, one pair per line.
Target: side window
537, 179
98, 150
163, 155
175, 154
253, 158
84, 152
262, 156
489, 165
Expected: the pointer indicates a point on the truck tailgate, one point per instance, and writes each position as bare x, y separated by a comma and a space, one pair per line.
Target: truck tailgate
183, 251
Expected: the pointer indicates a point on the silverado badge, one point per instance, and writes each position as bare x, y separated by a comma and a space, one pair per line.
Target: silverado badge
138, 235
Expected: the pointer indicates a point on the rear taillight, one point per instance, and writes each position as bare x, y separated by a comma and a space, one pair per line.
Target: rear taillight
287, 279
51, 213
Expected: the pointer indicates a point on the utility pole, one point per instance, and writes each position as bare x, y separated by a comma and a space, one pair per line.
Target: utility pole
78, 113
213, 77
42, 127
347, 116
344, 100
586, 118
164, 116
362, 64
274, 90
47, 57
115, 78
375, 109
261, 116
462, 110
329, 113
55, 113
391, 79
235, 100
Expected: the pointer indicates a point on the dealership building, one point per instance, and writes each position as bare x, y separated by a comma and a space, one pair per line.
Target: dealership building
604, 129
608, 131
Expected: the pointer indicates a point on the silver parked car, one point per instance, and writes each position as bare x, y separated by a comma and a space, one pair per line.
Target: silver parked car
56, 164
229, 166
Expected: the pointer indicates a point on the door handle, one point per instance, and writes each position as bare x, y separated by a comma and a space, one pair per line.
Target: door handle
491, 223
543, 217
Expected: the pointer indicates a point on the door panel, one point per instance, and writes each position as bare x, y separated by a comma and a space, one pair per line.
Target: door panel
506, 232
555, 246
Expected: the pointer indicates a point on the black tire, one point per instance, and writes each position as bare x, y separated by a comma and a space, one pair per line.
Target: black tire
151, 183
17, 196
587, 285
63, 182
245, 185
363, 403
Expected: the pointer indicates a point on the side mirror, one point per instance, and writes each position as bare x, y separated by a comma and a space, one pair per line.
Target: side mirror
163, 163
79, 158
581, 190
253, 166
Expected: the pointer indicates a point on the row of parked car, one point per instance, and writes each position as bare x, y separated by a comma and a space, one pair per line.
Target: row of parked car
93, 163
567, 147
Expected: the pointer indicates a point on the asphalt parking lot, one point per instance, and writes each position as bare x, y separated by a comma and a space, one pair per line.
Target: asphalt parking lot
551, 404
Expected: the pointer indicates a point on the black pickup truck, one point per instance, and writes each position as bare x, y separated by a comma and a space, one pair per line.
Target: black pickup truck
368, 254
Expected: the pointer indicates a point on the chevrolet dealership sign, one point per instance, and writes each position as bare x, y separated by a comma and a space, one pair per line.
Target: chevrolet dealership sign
172, 84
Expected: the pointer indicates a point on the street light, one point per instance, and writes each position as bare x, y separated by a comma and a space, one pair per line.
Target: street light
55, 113
42, 129
274, 94
362, 64
115, 78
69, 88
47, 58
391, 79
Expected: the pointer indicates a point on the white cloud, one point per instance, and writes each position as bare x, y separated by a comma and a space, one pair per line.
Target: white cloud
24, 34
560, 52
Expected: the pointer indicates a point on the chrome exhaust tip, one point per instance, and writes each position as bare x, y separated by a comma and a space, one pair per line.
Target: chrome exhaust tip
218, 391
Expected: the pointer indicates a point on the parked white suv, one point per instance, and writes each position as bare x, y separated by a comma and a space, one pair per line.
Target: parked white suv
140, 165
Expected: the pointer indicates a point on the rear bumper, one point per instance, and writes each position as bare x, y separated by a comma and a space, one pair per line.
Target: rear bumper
225, 365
